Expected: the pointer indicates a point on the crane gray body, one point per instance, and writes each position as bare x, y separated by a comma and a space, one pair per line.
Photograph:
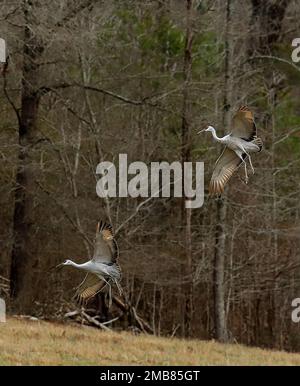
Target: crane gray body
239, 144
102, 268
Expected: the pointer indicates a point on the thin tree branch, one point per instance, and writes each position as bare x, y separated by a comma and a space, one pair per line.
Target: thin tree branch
144, 101
278, 59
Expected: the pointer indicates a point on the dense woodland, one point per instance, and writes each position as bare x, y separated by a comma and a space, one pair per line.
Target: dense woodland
86, 80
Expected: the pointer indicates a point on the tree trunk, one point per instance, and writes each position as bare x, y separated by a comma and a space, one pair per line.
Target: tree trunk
22, 248
185, 157
219, 273
220, 328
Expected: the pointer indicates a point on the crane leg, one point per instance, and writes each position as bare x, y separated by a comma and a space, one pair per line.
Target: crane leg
248, 155
109, 292
110, 297
250, 162
119, 287
240, 155
246, 174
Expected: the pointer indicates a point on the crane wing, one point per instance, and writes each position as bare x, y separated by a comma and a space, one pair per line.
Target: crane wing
106, 247
243, 125
225, 166
90, 286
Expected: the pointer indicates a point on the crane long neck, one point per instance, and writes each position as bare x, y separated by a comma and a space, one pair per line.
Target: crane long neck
83, 266
214, 134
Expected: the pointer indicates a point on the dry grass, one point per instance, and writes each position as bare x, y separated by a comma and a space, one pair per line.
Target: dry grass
41, 343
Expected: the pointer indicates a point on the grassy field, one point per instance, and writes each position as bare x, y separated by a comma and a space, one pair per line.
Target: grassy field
41, 343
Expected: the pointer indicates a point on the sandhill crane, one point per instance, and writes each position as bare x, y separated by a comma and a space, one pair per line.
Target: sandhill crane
102, 269
240, 142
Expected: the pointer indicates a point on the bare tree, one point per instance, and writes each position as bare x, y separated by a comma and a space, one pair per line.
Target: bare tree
186, 157
88, 80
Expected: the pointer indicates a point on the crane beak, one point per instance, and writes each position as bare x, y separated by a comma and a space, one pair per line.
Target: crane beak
201, 131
